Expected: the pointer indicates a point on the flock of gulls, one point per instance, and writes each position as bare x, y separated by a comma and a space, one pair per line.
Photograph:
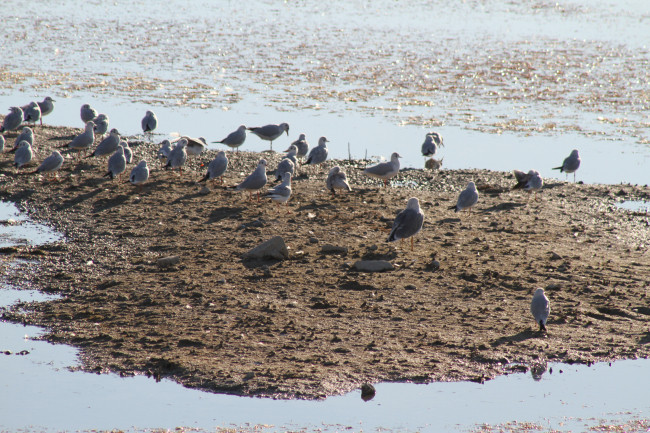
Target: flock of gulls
172, 156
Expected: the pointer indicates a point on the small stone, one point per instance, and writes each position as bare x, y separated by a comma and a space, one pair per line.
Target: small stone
373, 248
274, 248
166, 262
410, 287
434, 265
367, 392
204, 191
555, 256
373, 266
313, 240
335, 249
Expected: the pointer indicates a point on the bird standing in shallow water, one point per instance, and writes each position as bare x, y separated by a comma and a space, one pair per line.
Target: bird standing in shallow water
235, 138
408, 222
87, 113
570, 165
270, 132
540, 307
149, 122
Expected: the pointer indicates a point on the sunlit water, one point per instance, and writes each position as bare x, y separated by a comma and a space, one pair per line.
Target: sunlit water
509, 85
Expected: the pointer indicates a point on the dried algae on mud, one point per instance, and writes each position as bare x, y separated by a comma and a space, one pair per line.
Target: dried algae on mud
456, 308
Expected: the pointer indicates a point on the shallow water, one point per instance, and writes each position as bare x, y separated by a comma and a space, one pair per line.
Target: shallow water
508, 85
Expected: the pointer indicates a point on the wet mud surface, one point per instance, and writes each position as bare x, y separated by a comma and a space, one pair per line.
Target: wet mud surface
456, 308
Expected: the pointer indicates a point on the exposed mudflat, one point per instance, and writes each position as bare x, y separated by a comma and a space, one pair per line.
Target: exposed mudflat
311, 326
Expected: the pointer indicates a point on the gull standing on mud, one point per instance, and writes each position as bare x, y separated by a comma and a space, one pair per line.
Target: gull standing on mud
336, 179
318, 154
570, 165
408, 222
177, 156
32, 113
195, 146
235, 138
270, 132
51, 164
116, 163
47, 106
25, 135
87, 113
128, 153
217, 167
83, 141
302, 146
139, 174
163, 152
255, 181
529, 182
13, 120
101, 124
281, 193
108, 145
149, 122
467, 198
385, 170
284, 166
540, 307
23, 155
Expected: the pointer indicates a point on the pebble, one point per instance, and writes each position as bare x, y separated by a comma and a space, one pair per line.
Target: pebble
313, 240
367, 392
336, 249
373, 266
165, 262
274, 248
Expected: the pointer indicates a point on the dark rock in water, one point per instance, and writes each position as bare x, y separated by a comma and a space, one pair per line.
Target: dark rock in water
367, 392
274, 248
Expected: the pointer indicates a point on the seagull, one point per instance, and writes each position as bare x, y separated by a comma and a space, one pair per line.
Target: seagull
13, 120
281, 193
467, 198
302, 146
178, 156
116, 163
25, 135
540, 308
47, 106
32, 113
385, 170
235, 139
23, 154
108, 145
571, 164
217, 167
336, 180
84, 140
139, 174
128, 153
292, 152
149, 122
284, 166
51, 164
195, 146
101, 124
318, 154
531, 181
255, 181
163, 152
408, 222
270, 132
87, 113
432, 141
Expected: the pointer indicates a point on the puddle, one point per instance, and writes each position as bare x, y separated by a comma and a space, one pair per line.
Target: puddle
634, 205
17, 229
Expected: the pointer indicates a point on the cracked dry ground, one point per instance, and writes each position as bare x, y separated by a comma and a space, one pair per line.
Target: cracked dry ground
310, 326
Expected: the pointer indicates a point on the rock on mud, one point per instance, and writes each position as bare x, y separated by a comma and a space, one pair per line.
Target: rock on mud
373, 266
274, 248
166, 262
